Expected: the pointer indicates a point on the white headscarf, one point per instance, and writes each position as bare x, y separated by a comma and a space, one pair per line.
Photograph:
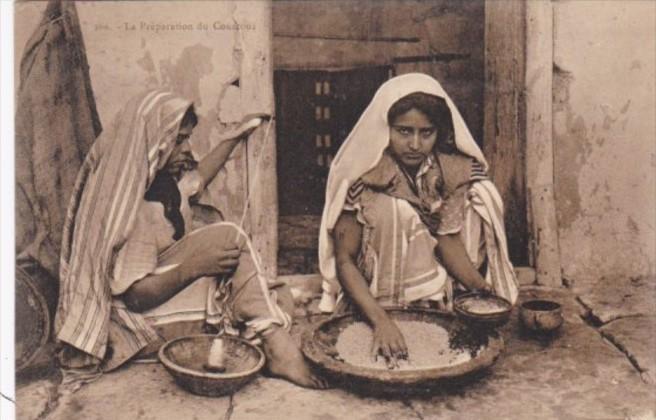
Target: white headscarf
364, 147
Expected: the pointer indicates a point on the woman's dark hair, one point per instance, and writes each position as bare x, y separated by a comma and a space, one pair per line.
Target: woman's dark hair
190, 117
437, 111
164, 189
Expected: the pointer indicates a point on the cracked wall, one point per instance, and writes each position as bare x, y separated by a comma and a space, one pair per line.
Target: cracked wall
605, 138
204, 57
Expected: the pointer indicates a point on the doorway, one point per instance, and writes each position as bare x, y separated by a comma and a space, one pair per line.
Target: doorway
329, 58
316, 110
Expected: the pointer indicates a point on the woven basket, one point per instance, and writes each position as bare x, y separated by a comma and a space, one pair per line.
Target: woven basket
35, 305
184, 357
319, 348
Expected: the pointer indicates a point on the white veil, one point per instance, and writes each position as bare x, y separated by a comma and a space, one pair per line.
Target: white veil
364, 147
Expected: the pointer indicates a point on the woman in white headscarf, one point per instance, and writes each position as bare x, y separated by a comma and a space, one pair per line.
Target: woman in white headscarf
410, 214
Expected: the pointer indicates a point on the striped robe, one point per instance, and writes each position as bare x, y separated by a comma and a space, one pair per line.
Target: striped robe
401, 229
113, 179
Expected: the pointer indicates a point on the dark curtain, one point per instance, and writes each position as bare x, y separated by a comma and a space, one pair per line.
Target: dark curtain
56, 123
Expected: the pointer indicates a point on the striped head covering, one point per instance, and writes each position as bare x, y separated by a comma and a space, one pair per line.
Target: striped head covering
110, 186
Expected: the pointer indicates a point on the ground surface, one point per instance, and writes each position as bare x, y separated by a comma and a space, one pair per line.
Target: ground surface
599, 367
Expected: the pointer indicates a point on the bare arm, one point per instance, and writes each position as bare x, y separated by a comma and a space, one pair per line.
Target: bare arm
348, 233
388, 340
155, 289
212, 163
452, 254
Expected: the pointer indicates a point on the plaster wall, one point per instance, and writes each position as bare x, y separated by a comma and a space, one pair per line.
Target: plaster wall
204, 57
605, 138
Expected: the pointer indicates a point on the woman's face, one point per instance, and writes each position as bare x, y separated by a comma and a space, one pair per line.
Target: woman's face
181, 155
412, 137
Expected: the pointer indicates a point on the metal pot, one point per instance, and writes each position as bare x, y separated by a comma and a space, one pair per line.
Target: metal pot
541, 315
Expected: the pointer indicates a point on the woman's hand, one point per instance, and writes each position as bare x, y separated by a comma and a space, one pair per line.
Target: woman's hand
210, 165
249, 123
485, 289
451, 253
389, 342
220, 261
155, 289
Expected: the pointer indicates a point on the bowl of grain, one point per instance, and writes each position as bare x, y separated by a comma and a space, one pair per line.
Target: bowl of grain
482, 310
185, 359
442, 351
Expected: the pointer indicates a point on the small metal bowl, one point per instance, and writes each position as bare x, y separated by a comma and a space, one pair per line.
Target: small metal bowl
541, 315
184, 358
463, 307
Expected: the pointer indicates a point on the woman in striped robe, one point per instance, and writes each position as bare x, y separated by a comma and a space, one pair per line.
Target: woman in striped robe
137, 268
410, 216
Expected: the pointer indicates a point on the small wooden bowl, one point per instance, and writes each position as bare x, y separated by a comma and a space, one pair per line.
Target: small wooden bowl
541, 315
184, 358
462, 307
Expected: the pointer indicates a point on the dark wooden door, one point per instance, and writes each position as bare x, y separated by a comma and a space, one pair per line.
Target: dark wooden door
315, 112
505, 123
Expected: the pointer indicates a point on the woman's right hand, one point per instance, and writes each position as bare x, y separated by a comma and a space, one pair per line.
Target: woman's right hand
389, 342
215, 262
249, 123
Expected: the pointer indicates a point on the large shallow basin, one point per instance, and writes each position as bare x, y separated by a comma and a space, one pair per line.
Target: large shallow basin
319, 346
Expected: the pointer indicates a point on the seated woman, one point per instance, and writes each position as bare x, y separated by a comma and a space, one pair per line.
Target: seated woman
410, 214
142, 263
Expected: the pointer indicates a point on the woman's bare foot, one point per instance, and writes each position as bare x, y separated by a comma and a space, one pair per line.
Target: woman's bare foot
284, 359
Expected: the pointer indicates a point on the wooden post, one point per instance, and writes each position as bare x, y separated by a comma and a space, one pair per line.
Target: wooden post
256, 86
504, 126
539, 142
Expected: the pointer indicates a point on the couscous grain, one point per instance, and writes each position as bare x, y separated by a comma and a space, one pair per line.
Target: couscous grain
428, 346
